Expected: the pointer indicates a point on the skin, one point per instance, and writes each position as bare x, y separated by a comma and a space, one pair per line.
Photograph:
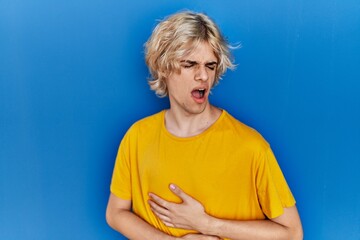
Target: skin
186, 117
189, 116
120, 217
190, 214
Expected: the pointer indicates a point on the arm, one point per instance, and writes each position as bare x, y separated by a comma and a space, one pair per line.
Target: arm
121, 219
286, 226
190, 214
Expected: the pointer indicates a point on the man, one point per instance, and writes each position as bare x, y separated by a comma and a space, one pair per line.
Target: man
193, 171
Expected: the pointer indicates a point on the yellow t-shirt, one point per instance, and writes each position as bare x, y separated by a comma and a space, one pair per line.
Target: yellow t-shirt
229, 168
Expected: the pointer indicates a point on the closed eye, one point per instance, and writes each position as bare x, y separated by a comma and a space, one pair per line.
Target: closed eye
211, 65
188, 66
188, 63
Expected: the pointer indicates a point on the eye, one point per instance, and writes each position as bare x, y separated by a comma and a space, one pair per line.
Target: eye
211, 67
188, 66
188, 63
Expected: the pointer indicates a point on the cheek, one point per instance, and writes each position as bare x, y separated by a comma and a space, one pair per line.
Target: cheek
177, 87
212, 76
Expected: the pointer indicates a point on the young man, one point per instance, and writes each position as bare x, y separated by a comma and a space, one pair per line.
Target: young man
193, 171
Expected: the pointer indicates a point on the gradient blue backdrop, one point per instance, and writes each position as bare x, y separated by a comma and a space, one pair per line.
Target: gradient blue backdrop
73, 79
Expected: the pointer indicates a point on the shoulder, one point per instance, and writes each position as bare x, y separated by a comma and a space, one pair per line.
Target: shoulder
244, 134
146, 125
149, 121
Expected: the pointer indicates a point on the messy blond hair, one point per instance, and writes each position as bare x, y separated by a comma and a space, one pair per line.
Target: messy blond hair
175, 37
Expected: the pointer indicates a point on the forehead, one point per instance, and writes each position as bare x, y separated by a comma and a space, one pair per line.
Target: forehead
202, 52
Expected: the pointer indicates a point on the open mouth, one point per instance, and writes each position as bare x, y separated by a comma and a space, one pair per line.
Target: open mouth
198, 93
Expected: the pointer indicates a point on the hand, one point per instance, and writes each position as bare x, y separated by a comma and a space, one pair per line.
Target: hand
193, 236
189, 214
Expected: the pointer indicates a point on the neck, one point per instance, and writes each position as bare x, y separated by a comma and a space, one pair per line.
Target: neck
190, 124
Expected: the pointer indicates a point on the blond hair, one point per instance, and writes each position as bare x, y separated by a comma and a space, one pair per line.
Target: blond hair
175, 37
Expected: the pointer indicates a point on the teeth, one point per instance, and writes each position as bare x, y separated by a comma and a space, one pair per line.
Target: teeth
201, 92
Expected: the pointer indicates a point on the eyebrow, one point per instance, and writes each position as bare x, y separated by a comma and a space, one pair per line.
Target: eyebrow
194, 62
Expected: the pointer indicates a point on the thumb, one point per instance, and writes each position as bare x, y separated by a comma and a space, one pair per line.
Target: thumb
178, 192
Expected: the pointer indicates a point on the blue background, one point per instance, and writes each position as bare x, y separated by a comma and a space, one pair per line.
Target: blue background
73, 79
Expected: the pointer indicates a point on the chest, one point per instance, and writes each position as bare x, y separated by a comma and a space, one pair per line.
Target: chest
204, 167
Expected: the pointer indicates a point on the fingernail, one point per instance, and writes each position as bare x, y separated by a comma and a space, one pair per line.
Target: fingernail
172, 187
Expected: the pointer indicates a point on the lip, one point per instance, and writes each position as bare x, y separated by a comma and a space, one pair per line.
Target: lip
201, 87
201, 100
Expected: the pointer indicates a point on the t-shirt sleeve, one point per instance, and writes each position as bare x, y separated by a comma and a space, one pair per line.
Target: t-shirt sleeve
121, 178
273, 190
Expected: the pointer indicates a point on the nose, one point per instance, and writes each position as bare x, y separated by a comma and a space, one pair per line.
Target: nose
201, 73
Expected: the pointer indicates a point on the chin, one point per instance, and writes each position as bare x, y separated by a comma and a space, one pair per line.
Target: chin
198, 109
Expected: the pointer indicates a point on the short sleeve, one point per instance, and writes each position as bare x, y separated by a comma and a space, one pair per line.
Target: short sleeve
273, 190
121, 178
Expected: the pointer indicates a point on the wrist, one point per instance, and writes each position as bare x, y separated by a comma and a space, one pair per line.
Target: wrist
172, 238
206, 226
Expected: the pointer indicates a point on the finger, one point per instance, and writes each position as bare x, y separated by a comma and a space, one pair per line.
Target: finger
161, 202
168, 224
158, 208
178, 192
162, 217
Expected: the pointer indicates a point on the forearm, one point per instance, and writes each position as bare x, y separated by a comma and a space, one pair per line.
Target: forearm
190, 214
133, 227
241, 230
